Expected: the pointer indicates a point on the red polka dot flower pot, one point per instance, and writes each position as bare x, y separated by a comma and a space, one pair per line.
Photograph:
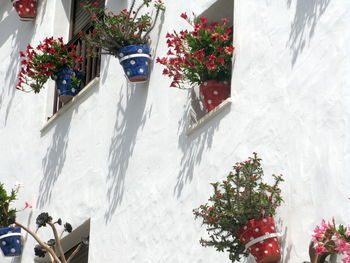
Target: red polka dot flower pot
260, 239
26, 9
213, 93
10, 241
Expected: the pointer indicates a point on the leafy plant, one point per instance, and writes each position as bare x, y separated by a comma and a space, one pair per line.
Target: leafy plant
241, 197
7, 214
43, 62
128, 27
204, 53
332, 239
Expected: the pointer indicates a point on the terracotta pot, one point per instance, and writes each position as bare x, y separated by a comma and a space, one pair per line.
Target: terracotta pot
214, 93
10, 241
26, 9
260, 238
135, 59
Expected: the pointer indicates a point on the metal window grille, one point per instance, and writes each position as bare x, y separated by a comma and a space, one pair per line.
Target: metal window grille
90, 66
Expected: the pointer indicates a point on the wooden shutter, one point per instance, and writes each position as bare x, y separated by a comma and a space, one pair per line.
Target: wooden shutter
81, 17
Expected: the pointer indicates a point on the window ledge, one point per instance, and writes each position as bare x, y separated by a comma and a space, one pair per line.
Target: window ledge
210, 115
67, 106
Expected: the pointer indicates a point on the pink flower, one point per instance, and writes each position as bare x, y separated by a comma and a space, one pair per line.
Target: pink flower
347, 232
319, 249
28, 205
221, 61
346, 259
203, 20
224, 20
342, 245
19, 185
184, 16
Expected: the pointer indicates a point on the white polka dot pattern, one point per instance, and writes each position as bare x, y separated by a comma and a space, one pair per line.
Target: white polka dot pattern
26, 9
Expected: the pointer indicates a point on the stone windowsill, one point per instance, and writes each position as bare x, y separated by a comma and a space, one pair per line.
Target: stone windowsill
210, 115
67, 106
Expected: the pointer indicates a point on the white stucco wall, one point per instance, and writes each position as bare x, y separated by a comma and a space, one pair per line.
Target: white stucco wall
121, 156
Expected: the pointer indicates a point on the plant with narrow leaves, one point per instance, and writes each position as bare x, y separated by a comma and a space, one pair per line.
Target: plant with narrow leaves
114, 31
7, 214
241, 197
333, 239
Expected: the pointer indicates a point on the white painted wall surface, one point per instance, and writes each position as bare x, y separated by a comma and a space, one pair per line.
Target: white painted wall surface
121, 155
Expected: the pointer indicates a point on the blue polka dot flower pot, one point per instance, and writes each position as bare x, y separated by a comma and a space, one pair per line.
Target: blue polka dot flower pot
64, 84
10, 241
135, 60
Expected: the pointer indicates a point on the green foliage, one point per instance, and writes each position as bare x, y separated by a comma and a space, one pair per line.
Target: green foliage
43, 62
7, 214
114, 31
241, 197
205, 53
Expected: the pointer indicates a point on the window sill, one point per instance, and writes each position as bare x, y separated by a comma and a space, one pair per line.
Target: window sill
67, 106
210, 115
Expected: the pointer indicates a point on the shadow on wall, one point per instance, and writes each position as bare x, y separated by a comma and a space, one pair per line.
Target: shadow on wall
54, 159
307, 14
286, 249
130, 117
20, 35
193, 146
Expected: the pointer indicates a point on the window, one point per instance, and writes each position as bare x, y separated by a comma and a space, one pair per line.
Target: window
81, 257
73, 240
198, 113
80, 21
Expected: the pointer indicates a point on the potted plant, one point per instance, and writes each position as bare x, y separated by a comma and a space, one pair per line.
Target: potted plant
26, 9
330, 239
239, 215
125, 35
50, 59
201, 56
53, 247
10, 236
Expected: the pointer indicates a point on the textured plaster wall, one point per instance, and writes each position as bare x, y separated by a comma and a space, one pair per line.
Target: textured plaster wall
121, 156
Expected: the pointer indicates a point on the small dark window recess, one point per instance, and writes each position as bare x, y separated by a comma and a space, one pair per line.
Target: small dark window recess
90, 66
78, 237
81, 257
220, 9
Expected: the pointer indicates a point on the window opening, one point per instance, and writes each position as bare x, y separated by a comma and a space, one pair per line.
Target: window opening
90, 66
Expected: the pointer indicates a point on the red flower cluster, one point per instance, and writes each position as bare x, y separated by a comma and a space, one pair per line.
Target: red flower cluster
198, 55
44, 61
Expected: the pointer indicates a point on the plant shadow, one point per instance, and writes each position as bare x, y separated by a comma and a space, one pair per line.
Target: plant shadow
131, 116
307, 14
193, 146
54, 159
